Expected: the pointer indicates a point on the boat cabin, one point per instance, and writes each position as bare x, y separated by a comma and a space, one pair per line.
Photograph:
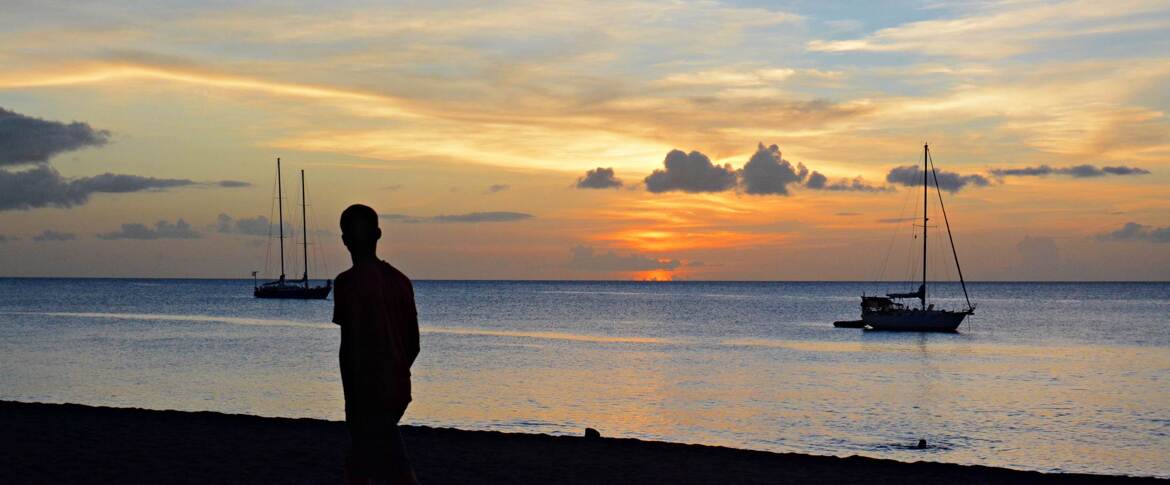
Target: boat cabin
879, 304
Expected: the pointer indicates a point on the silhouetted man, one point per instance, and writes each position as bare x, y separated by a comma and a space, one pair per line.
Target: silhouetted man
374, 304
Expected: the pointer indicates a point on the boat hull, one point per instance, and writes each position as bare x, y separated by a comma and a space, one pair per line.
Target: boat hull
293, 292
908, 320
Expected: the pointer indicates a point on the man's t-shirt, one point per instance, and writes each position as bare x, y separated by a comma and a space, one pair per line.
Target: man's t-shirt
374, 305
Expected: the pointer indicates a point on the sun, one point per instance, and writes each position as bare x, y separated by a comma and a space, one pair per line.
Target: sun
654, 275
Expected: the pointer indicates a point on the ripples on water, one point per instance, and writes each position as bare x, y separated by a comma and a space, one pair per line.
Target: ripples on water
1058, 376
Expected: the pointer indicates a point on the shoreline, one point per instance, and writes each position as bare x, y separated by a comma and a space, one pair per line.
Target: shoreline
78, 443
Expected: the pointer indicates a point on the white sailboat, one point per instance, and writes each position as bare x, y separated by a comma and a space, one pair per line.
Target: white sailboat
890, 312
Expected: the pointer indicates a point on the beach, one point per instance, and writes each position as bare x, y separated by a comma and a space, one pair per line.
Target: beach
69, 443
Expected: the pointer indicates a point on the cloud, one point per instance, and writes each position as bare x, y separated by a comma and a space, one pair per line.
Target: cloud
911, 176
24, 139
1003, 29
51, 235
1079, 171
691, 172
162, 230
43, 186
599, 178
498, 188
499, 216
255, 226
818, 181
585, 258
231, 184
392, 187
1133, 231
4, 239
767, 172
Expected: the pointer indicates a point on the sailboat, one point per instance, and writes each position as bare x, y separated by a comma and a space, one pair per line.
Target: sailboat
890, 312
283, 288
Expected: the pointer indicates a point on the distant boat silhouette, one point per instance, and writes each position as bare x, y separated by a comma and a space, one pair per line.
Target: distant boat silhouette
282, 288
888, 312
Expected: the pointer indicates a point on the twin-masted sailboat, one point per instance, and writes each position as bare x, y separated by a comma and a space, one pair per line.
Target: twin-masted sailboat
890, 312
282, 288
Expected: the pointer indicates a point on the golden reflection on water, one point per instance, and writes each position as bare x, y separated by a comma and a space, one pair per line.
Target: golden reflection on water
978, 401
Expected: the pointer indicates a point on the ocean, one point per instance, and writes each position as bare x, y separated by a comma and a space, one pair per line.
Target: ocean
1068, 377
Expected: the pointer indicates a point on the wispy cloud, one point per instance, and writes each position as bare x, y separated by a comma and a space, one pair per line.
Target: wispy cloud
1002, 29
50, 235
180, 229
587, 259
43, 186
471, 217
1133, 231
1080, 171
247, 226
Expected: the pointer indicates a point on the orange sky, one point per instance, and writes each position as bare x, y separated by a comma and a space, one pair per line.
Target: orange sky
475, 133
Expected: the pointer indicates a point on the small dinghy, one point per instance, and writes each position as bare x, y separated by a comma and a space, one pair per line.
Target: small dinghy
849, 324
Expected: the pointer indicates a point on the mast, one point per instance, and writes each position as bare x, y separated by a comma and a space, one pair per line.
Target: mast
950, 236
280, 211
925, 185
304, 230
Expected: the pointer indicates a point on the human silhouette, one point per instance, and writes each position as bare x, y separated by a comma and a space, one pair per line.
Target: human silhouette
374, 304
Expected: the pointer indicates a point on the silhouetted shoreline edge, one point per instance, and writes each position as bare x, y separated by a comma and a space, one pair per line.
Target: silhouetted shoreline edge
76, 443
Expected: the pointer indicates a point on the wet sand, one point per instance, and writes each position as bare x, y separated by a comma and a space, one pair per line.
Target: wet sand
68, 443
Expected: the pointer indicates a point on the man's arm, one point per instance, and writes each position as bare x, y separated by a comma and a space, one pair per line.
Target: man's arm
410, 340
339, 307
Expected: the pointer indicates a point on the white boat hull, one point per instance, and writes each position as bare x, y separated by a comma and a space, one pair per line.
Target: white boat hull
914, 320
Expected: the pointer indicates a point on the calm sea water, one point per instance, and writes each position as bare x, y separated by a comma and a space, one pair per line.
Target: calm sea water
1047, 376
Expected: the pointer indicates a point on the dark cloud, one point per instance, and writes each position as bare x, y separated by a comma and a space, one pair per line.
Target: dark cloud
768, 173
4, 239
51, 235
817, 181
599, 178
585, 258
691, 172
161, 230
1123, 170
1079, 171
43, 186
392, 187
1133, 231
231, 184
498, 188
896, 220
499, 216
911, 176
24, 139
255, 226
847, 214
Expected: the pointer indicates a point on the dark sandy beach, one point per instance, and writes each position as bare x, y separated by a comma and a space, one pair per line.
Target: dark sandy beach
68, 443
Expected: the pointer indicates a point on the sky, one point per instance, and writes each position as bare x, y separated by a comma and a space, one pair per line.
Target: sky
588, 140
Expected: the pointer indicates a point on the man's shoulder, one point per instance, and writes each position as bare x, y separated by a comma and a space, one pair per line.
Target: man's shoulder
389, 270
344, 277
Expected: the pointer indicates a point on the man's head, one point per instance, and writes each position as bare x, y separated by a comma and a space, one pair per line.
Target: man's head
359, 229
